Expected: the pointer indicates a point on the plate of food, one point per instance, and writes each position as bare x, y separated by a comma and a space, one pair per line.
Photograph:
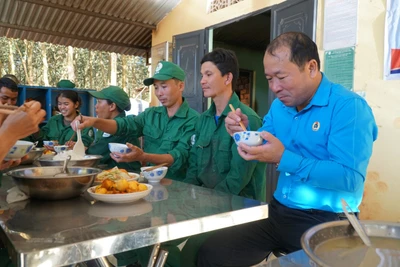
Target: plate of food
115, 174
120, 191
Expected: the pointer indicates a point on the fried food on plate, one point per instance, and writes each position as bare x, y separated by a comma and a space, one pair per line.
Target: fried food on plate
119, 187
113, 174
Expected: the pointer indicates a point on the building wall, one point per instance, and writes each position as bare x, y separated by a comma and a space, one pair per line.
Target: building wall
381, 196
190, 15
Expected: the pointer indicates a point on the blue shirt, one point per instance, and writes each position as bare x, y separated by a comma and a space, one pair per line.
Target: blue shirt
328, 145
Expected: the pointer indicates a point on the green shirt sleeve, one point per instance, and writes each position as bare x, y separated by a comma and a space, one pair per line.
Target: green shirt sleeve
180, 152
191, 174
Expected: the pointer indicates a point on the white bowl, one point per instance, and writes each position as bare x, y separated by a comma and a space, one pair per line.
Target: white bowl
154, 176
119, 198
250, 138
60, 149
50, 143
18, 150
119, 148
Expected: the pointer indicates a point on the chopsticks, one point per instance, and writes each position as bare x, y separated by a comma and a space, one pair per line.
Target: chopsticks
241, 123
156, 167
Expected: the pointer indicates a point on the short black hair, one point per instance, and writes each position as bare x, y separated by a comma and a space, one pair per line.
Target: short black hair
71, 95
302, 48
226, 61
8, 83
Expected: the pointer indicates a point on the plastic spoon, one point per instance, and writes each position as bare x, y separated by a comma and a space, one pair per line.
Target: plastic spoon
355, 223
79, 147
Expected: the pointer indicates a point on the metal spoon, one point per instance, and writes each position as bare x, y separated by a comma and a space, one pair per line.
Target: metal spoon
65, 171
355, 223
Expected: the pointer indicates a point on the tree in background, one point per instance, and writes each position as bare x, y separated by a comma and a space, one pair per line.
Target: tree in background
43, 64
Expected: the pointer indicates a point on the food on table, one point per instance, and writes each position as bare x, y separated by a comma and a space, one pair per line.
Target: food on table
119, 187
113, 174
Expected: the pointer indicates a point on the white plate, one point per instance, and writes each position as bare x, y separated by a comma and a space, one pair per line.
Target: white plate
119, 198
107, 210
134, 177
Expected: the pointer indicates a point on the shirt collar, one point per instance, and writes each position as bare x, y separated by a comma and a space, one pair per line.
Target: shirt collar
321, 96
182, 111
234, 100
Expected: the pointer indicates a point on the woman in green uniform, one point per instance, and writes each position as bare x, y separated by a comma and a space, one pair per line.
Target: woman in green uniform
112, 103
59, 126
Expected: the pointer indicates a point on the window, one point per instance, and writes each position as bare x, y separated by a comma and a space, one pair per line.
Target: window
215, 5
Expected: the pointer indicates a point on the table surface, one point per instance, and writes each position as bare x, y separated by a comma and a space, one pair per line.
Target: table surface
70, 231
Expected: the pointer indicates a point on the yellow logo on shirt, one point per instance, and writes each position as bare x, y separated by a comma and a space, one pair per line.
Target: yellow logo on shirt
315, 126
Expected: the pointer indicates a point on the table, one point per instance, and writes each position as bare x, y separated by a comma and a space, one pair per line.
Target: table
58, 233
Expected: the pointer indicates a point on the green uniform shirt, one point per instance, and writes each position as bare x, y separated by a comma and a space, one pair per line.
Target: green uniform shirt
214, 161
100, 147
56, 130
164, 135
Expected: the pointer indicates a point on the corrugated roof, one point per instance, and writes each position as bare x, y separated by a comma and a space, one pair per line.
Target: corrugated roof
121, 26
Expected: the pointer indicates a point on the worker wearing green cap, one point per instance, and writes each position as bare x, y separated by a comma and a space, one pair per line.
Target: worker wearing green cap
167, 129
65, 84
112, 103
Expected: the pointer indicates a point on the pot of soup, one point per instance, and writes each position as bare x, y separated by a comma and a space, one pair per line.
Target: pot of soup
335, 244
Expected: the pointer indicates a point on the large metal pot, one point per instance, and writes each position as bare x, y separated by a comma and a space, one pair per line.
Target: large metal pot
87, 161
321, 233
34, 154
50, 183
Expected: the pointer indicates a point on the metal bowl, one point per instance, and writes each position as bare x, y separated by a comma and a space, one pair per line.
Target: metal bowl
34, 154
51, 183
321, 233
87, 161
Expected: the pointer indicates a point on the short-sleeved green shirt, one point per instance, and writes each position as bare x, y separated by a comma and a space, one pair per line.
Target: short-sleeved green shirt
56, 130
214, 161
163, 134
100, 147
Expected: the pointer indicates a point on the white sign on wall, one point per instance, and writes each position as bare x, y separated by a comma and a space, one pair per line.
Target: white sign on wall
340, 24
391, 67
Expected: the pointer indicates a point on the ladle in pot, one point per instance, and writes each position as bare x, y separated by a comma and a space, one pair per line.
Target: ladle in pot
65, 171
355, 223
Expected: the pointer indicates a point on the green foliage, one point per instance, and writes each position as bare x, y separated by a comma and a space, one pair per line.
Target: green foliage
91, 68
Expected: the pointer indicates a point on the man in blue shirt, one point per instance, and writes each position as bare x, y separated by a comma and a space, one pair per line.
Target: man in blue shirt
320, 137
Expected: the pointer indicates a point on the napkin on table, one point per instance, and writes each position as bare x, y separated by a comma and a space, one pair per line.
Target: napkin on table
15, 195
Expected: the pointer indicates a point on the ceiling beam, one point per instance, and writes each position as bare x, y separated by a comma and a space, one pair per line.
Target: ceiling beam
88, 13
72, 36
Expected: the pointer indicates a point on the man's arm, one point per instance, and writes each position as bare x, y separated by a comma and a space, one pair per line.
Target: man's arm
108, 126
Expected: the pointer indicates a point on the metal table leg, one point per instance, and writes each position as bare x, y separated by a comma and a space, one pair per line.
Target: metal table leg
162, 258
154, 254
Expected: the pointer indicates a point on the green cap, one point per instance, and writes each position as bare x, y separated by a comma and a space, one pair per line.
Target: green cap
115, 94
165, 71
65, 84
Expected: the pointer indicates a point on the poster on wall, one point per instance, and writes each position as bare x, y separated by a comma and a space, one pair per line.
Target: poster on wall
339, 66
340, 24
391, 67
